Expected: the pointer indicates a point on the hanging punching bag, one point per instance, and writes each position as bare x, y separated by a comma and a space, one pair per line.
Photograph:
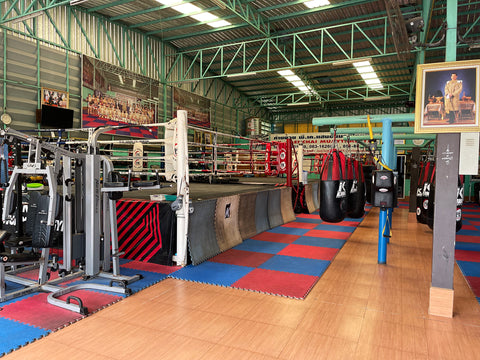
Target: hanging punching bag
460, 193
332, 187
430, 173
367, 175
356, 198
431, 204
348, 181
418, 209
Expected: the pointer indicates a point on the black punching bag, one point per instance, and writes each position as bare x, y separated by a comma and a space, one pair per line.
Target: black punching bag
367, 175
348, 181
460, 192
419, 192
332, 187
356, 197
430, 173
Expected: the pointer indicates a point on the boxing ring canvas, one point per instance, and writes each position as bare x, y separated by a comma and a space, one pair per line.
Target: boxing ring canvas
447, 97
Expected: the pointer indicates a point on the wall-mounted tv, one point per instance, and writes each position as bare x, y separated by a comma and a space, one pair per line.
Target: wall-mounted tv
54, 117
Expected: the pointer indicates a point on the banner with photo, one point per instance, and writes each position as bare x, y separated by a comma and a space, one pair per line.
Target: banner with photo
197, 107
113, 96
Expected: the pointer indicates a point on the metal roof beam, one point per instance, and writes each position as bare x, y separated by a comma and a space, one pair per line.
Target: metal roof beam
290, 61
248, 13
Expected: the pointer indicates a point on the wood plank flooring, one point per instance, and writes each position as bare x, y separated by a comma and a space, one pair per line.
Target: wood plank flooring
358, 310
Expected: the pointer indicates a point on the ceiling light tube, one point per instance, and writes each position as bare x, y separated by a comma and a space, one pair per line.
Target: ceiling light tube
349, 61
298, 103
376, 98
242, 74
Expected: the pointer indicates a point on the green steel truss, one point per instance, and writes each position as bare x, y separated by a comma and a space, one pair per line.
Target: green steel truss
269, 54
335, 95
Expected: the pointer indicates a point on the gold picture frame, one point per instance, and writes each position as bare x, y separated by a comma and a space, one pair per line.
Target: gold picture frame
447, 97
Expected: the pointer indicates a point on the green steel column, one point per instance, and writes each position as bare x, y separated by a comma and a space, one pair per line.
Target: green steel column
4, 70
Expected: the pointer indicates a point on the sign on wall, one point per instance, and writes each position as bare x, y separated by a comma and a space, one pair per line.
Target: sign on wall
315, 143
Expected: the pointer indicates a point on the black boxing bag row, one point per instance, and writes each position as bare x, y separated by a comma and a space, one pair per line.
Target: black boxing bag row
356, 196
332, 187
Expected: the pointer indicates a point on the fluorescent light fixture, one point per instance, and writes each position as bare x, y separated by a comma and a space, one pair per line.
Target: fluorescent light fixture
285, 72
186, 8
304, 88
242, 74
376, 98
316, 3
134, 83
292, 78
27, 17
365, 69
372, 81
197, 13
298, 103
370, 75
350, 61
220, 23
204, 17
378, 86
298, 83
120, 78
361, 63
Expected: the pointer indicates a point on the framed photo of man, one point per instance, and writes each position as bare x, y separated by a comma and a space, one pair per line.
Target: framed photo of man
447, 97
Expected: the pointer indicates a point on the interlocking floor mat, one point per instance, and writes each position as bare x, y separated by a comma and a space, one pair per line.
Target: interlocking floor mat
30, 317
467, 246
287, 260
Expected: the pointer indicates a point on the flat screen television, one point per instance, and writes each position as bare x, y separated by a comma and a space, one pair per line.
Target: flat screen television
54, 117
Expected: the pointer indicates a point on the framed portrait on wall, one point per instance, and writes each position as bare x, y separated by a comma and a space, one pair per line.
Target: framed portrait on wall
54, 97
447, 97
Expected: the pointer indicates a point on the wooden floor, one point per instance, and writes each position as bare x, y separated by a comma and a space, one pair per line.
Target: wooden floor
358, 310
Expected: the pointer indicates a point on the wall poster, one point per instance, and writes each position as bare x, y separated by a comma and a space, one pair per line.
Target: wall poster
113, 96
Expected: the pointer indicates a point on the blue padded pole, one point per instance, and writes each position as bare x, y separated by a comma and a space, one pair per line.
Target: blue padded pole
387, 150
382, 244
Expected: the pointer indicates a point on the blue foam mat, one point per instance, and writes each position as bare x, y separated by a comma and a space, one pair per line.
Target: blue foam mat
212, 273
288, 230
461, 245
14, 335
268, 247
308, 220
296, 265
321, 242
469, 268
349, 229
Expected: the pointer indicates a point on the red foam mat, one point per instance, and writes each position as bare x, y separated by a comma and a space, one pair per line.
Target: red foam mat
277, 282
329, 234
309, 252
36, 311
156, 268
242, 258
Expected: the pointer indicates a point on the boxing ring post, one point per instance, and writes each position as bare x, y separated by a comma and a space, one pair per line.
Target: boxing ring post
385, 214
183, 193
